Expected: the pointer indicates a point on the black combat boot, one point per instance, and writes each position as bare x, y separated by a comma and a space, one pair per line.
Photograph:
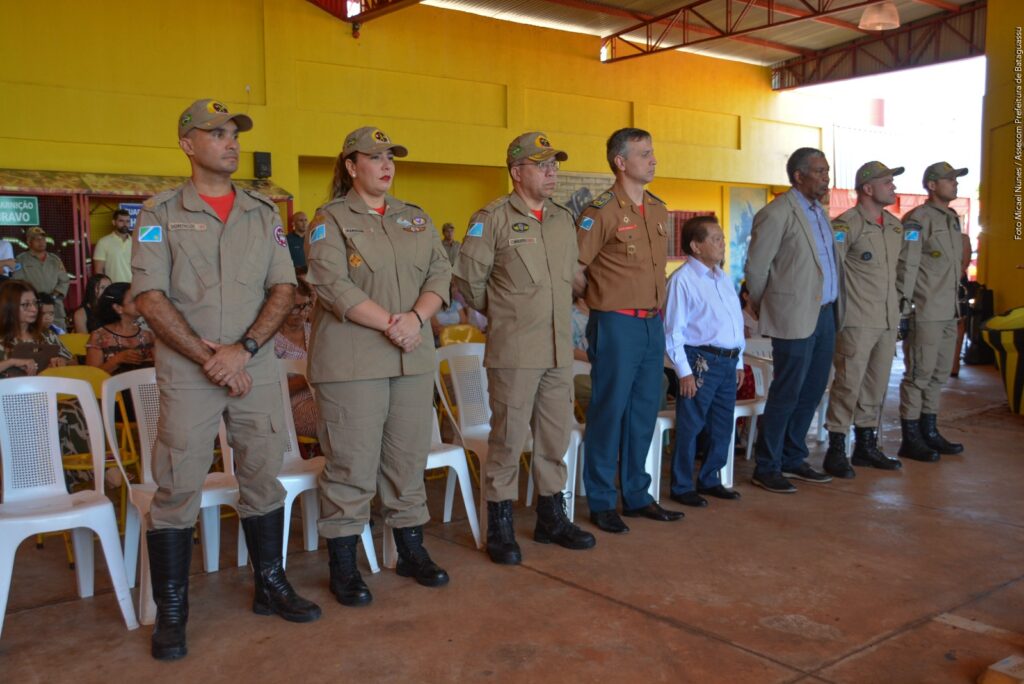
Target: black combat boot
930, 433
913, 444
170, 554
413, 559
274, 595
501, 535
554, 526
835, 463
867, 453
347, 584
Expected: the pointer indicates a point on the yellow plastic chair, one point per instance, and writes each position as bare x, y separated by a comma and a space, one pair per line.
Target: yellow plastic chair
460, 334
75, 342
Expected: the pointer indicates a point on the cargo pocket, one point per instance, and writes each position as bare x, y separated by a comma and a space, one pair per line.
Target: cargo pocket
172, 467
205, 273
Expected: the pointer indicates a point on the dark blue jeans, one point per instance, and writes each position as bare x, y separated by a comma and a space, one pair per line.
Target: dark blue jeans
627, 356
712, 406
801, 368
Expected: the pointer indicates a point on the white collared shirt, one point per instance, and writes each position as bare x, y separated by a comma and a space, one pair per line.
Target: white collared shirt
701, 308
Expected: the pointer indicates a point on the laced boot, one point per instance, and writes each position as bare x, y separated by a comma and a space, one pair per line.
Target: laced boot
930, 433
867, 453
413, 559
347, 584
913, 445
835, 458
274, 595
170, 554
501, 535
554, 526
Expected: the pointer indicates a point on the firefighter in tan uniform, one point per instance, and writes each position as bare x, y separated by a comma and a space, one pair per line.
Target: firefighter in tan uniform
932, 338
516, 265
214, 282
380, 274
870, 242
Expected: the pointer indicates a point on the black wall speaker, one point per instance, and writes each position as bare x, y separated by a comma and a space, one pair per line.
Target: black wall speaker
261, 162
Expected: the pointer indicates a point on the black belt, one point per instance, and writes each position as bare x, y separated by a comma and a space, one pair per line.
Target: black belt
719, 351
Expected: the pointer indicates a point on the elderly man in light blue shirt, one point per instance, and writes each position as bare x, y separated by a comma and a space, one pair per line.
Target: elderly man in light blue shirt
704, 341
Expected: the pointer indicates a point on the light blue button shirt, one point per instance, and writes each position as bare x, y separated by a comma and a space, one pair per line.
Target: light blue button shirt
821, 228
701, 308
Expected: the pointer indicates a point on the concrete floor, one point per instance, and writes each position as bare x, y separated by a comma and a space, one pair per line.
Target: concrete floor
914, 576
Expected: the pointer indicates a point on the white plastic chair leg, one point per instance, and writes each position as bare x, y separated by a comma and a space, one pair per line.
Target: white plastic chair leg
449, 495
115, 564
822, 409
726, 473
286, 531
85, 566
310, 514
8, 547
131, 544
209, 521
242, 550
751, 437
581, 487
371, 552
571, 458
147, 607
461, 473
653, 464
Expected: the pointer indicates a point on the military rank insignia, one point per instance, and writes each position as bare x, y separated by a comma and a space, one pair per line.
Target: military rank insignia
520, 227
603, 199
354, 260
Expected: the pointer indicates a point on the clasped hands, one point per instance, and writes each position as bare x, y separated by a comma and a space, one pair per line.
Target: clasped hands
226, 368
404, 331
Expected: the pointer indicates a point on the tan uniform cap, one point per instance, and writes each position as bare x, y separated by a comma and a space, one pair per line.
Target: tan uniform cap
209, 114
370, 140
34, 231
532, 146
941, 170
874, 170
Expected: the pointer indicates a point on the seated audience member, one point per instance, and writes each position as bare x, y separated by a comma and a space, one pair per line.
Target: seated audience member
704, 341
455, 314
581, 383
292, 342
46, 314
119, 344
20, 323
85, 315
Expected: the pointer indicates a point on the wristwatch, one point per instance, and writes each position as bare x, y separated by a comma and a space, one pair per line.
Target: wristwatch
250, 345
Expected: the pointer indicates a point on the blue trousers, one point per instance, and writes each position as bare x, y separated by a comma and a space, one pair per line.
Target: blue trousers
712, 406
801, 369
627, 356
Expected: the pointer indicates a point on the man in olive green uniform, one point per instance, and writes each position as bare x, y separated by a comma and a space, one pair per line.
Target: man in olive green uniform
517, 266
870, 242
44, 271
214, 281
932, 338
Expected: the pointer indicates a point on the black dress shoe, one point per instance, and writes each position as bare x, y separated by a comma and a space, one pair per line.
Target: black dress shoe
690, 498
774, 482
653, 511
807, 474
719, 492
609, 521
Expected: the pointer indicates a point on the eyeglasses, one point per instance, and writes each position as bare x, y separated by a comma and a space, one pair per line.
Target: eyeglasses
34, 304
300, 308
549, 166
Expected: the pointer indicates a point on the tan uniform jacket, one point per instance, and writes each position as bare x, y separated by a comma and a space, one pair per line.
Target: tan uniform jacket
518, 271
354, 254
938, 277
783, 273
624, 251
47, 277
874, 293
217, 275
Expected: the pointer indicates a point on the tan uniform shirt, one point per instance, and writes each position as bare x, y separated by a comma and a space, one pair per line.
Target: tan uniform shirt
870, 253
45, 276
938, 277
518, 271
624, 251
355, 254
217, 275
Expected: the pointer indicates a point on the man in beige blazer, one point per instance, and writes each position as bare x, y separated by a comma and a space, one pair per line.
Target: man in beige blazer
794, 279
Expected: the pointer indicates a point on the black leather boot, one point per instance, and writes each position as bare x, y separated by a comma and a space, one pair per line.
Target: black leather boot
501, 535
913, 445
930, 433
413, 559
835, 463
170, 554
274, 595
347, 584
554, 526
867, 453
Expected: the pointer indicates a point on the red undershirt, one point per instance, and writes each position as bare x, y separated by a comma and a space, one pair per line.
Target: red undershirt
538, 213
640, 208
381, 209
880, 219
221, 205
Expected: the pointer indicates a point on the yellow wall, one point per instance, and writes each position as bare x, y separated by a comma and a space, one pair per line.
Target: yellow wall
1001, 249
453, 87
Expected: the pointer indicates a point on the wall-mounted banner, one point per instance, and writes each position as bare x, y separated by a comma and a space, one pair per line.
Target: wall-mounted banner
19, 210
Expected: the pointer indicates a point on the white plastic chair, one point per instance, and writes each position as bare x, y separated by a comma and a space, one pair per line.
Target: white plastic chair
219, 489
452, 457
35, 497
299, 478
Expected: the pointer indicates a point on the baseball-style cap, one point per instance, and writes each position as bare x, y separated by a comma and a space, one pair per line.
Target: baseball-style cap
941, 170
34, 231
209, 114
874, 170
370, 140
534, 146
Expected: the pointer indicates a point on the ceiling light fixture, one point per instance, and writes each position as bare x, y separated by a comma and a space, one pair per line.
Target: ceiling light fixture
881, 16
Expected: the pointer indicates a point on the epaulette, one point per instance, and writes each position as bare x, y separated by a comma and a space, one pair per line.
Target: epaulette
501, 201
157, 200
603, 199
256, 195
562, 206
655, 196
838, 224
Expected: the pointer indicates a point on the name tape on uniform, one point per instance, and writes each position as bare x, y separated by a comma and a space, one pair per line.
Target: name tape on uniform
319, 233
151, 234
587, 223
513, 242
475, 230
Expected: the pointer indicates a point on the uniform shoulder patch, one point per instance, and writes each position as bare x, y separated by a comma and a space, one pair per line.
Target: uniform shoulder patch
586, 223
655, 196
476, 229
158, 199
602, 199
318, 233
151, 234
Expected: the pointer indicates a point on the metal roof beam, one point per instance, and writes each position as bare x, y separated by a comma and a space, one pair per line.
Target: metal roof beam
368, 9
